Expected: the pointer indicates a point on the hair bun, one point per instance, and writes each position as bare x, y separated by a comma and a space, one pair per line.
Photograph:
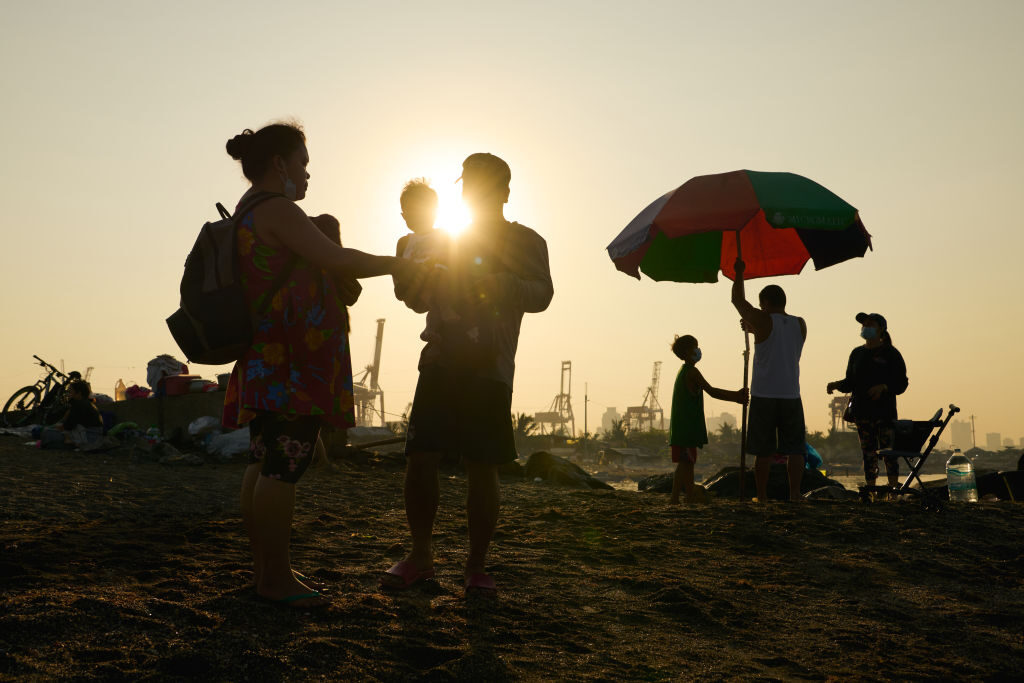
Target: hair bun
240, 144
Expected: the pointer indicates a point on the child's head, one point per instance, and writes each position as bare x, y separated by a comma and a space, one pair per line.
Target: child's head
419, 204
686, 348
79, 389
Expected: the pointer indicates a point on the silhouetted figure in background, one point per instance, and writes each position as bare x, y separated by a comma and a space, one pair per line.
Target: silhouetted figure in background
875, 375
775, 425
463, 402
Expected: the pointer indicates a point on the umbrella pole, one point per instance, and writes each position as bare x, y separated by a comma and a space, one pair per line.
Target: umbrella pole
743, 424
746, 385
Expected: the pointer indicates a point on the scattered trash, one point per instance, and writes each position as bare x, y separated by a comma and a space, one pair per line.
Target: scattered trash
164, 365
225, 446
203, 425
135, 391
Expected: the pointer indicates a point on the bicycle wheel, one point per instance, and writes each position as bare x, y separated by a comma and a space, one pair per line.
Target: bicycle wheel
54, 406
21, 407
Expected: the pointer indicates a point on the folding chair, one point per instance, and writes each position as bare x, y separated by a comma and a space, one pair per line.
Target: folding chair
911, 437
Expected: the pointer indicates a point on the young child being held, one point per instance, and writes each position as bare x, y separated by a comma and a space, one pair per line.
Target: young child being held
687, 429
425, 245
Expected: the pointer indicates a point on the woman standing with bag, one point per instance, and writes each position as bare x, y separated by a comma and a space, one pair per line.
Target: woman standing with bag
875, 375
297, 375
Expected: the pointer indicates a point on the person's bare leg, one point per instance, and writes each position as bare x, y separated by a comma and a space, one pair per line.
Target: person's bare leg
482, 501
273, 506
320, 455
762, 468
795, 470
677, 482
422, 493
252, 473
687, 478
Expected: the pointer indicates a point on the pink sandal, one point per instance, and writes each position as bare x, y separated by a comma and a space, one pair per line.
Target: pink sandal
405, 575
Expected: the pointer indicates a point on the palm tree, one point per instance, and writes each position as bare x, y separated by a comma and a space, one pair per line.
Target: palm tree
727, 432
524, 425
619, 433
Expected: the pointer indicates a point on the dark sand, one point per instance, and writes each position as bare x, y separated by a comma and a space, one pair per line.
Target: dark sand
111, 570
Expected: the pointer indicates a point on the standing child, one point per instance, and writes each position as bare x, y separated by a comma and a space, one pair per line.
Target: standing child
687, 429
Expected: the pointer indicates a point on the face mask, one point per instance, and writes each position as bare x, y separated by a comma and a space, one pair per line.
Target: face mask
868, 332
696, 356
289, 187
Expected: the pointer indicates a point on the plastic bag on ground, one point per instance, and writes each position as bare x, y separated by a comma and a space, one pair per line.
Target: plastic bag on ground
230, 444
203, 425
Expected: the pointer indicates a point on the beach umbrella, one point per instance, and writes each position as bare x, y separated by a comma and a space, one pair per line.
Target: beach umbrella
776, 221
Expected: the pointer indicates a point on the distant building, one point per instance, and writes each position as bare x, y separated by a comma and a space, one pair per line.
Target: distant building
993, 441
961, 434
1022, 442
1007, 442
611, 415
715, 422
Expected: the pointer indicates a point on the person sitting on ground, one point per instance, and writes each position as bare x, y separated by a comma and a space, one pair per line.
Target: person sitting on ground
776, 420
875, 374
81, 425
687, 429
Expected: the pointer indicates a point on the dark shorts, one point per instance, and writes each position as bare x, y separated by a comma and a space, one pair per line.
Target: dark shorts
459, 414
877, 435
283, 443
776, 425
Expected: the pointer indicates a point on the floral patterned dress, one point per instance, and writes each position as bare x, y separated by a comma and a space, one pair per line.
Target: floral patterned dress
299, 362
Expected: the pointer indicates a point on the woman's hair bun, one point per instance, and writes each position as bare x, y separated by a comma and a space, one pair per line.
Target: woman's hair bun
240, 144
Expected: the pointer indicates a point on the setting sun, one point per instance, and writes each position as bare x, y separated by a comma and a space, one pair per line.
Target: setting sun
452, 213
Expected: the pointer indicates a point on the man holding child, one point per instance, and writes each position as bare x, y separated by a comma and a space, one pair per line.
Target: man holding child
479, 288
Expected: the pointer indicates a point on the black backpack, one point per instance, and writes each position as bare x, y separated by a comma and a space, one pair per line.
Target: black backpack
213, 325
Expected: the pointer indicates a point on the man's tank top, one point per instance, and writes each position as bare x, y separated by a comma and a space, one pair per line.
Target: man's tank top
777, 360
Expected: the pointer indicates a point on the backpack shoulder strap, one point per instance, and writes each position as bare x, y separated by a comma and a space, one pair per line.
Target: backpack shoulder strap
245, 207
250, 203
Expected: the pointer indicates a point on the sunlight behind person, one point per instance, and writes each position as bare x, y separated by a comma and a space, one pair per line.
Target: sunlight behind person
452, 213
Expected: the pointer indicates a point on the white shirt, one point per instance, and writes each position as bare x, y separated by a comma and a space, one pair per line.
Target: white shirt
777, 360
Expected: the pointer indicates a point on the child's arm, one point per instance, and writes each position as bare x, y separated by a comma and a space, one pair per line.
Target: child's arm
739, 396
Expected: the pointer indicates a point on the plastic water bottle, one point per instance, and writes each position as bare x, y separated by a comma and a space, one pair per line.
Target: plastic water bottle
960, 477
119, 391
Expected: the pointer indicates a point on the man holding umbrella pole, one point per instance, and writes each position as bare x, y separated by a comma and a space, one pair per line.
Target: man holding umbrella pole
776, 416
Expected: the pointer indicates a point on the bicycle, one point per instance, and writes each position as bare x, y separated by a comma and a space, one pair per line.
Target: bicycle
47, 399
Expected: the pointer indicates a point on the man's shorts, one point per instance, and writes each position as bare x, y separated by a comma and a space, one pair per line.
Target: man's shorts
776, 425
457, 413
688, 452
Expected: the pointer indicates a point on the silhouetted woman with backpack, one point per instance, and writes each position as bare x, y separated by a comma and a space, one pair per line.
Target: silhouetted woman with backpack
297, 375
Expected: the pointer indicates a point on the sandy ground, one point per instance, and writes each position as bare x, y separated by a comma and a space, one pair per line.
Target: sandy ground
113, 570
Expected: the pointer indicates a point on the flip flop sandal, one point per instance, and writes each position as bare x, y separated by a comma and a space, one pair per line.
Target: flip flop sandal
404, 575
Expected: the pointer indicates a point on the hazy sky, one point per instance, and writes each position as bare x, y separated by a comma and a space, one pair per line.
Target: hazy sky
115, 115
